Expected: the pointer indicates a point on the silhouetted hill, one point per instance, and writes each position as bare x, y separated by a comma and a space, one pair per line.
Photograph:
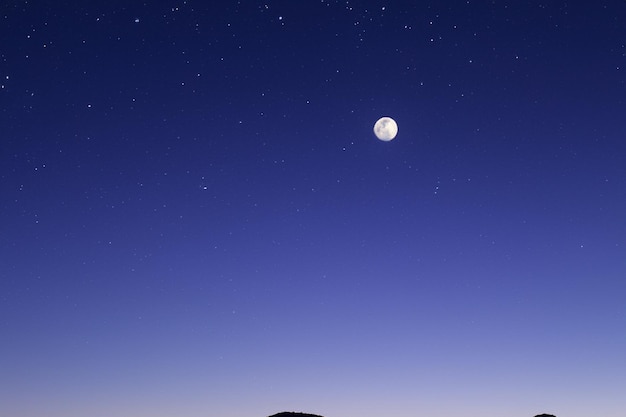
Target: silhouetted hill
292, 414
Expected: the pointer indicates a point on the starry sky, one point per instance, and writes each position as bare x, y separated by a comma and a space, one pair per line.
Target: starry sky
197, 219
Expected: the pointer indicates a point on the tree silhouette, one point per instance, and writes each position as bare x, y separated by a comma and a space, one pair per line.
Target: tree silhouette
545, 415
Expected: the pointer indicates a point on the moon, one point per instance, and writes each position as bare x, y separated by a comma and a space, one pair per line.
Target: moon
385, 129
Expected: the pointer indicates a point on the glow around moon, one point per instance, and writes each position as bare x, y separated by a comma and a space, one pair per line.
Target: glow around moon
385, 129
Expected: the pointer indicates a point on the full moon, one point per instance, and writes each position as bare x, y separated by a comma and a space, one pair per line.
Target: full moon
385, 129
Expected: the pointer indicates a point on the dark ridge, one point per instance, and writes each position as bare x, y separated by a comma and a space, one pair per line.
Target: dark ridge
292, 414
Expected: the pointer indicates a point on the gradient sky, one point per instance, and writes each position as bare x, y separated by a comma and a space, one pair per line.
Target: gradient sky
196, 219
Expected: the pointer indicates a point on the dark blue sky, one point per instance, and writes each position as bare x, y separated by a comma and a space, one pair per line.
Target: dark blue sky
197, 219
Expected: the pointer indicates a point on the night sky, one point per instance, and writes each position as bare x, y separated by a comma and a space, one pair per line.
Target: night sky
197, 220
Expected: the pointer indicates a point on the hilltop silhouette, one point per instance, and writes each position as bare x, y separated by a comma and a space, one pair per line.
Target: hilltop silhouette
292, 414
